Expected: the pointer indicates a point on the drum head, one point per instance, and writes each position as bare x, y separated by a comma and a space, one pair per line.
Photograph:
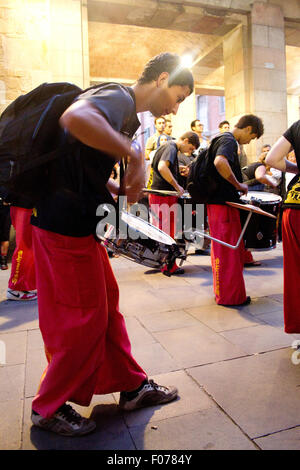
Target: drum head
261, 196
147, 229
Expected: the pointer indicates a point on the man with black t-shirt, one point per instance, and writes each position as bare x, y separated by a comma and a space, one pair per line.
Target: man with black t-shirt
224, 221
165, 178
86, 342
276, 158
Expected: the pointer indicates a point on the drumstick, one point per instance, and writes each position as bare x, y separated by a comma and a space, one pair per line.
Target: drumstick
161, 191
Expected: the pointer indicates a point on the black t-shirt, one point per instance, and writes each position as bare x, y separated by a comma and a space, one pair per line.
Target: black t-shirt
81, 175
168, 153
292, 199
227, 146
249, 173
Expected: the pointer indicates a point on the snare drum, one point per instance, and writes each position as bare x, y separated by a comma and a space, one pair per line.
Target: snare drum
141, 242
261, 233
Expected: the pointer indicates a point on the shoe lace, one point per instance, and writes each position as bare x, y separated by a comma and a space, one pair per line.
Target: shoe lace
155, 385
69, 414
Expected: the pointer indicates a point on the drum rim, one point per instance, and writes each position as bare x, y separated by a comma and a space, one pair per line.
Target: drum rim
161, 236
261, 195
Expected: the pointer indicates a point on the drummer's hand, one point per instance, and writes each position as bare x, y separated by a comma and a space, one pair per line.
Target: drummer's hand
180, 190
243, 188
135, 174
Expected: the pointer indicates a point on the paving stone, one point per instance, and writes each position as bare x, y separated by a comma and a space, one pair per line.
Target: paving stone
11, 413
257, 339
185, 297
138, 334
284, 440
190, 399
274, 318
154, 359
15, 346
261, 393
11, 382
162, 321
197, 345
221, 318
35, 366
208, 429
111, 432
261, 305
145, 301
17, 316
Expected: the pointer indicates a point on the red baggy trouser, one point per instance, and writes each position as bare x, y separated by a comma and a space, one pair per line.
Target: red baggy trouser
163, 215
291, 269
22, 275
227, 264
85, 337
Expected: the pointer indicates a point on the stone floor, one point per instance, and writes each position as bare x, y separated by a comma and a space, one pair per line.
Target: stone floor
238, 387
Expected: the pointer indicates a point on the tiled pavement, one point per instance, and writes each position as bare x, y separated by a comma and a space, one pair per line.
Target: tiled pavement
238, 386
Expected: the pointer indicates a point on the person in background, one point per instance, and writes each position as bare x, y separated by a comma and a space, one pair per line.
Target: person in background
224, 126
168, 128
22, 281
224, 220
151, 143
197, 127
5, 223
163, 208
276, 158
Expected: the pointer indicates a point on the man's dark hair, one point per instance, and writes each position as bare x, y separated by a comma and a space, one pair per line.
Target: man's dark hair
254, 121
171, 63
192, 138
222, 124
193, 123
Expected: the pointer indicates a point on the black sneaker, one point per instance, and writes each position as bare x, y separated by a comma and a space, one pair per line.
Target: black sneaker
150, 394
65, 421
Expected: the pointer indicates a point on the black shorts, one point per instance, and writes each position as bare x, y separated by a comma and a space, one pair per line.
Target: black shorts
5, 222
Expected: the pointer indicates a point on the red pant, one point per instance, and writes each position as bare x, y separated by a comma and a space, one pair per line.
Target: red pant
291, 269
22, 275
85, 337
163, 210
161, 215
227, 264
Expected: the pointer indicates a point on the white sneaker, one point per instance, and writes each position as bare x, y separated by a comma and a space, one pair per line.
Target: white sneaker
21, 295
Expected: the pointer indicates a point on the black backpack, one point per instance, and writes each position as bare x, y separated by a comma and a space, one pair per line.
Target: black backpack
202, 181
30, 138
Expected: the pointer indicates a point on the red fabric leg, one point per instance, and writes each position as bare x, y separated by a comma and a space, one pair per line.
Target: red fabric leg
85, 337
227, 264
291, 271
22, 275
248, 258
163, 215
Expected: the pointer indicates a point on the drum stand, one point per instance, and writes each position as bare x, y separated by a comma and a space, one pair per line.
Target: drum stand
197, 233
247, 207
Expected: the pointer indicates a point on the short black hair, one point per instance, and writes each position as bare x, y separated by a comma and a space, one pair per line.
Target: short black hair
192, 138
193, 123
251, 120
222, 124
170, 63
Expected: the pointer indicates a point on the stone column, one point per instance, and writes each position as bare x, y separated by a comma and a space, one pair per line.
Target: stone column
255, 73
40, 42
